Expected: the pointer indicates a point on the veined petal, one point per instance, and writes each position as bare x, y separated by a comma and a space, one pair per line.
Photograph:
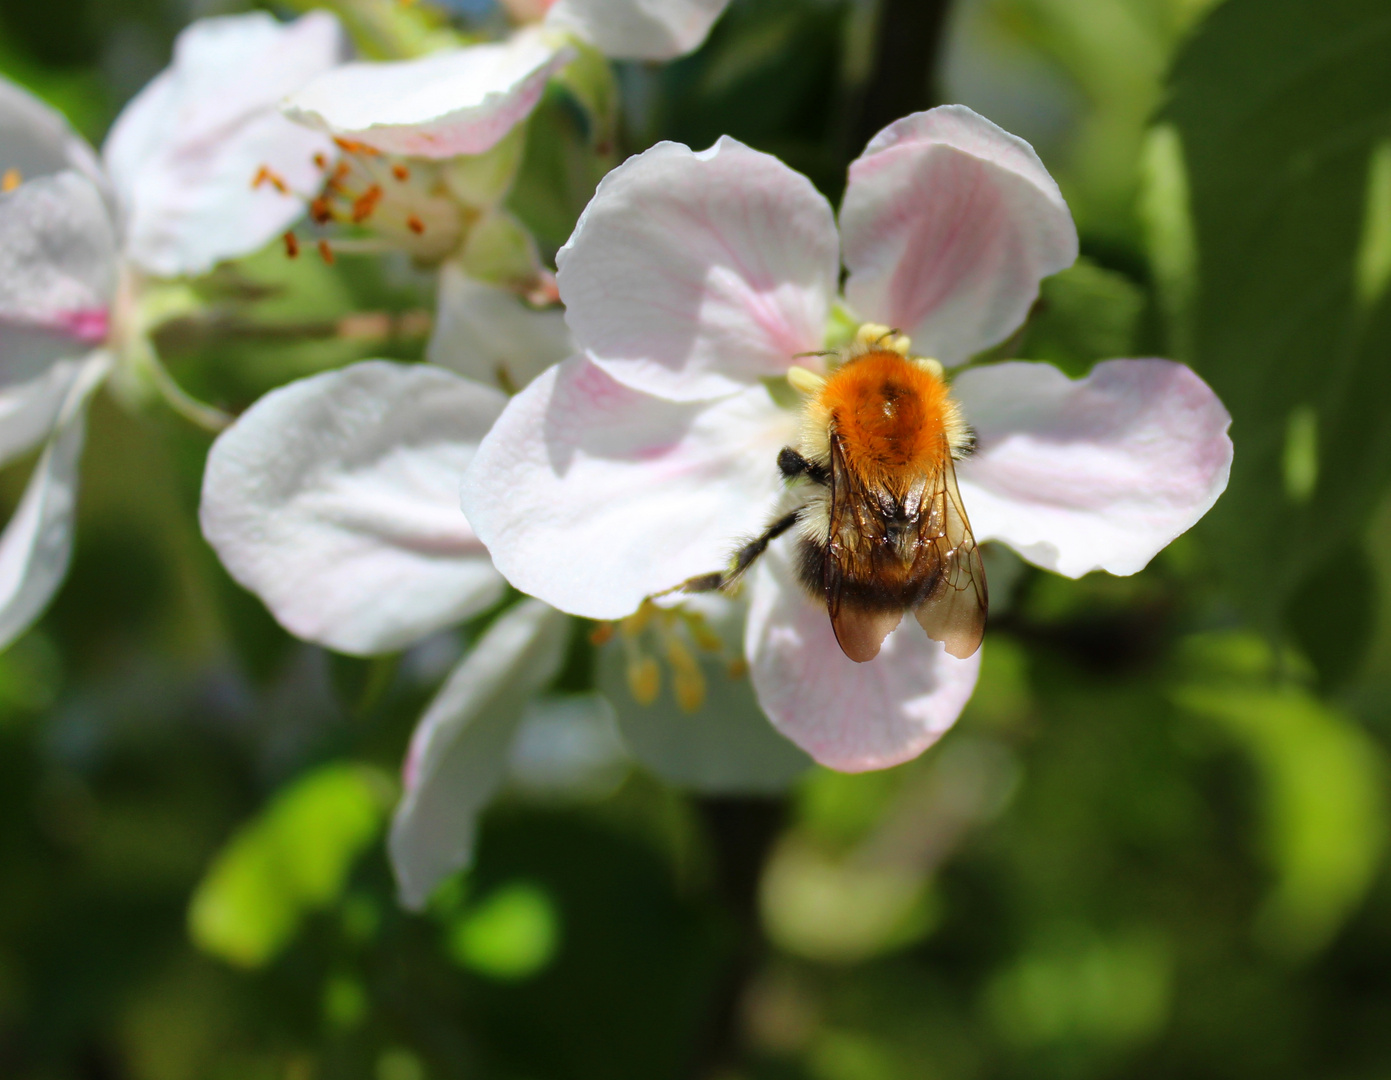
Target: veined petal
57, 272
639, 29
459, 753
592, 495
37, 542
848, 716
184, 153
37, 140
692, 275
490, 334
334, 499
458, 101
1097, 474
949, 224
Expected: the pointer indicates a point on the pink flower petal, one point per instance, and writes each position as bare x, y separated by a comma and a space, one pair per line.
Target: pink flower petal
1097, 474
949, 224
848, 716
638, 30
457, 101
692, 275
592, 495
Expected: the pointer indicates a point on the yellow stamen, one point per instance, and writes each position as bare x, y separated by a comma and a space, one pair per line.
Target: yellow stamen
933, 367
804, 380
12, 179
688, 682
644, 678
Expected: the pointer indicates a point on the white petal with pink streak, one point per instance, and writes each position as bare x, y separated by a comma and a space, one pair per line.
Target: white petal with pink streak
692, 275
949, 224
334, 499
593, 495
457, 101
1095, 474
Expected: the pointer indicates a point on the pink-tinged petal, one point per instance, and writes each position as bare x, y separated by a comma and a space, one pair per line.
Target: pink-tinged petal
334, 499
459, 753
639, 29
949, 224
491, 334
459, 101
57, 272
1097, 474
592, 495
37, 542
693, 275
184, 154
848, 716
36, 140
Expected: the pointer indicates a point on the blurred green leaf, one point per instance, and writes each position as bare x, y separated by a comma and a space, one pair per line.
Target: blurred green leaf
510, 935
292, 859
1084, 314
1280, 107
1323, 787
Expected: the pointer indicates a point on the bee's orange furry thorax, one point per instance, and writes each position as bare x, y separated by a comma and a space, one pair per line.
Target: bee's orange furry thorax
890, 416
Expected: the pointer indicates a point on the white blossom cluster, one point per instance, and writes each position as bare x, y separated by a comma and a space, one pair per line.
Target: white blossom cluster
593, 459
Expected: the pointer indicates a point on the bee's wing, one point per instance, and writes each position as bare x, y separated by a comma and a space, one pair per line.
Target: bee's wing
860, 628
954, 612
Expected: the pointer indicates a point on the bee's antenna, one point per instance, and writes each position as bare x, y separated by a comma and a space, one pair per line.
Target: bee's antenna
815, 352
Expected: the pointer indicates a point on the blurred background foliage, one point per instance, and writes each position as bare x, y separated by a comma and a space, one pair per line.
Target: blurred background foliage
1155, 845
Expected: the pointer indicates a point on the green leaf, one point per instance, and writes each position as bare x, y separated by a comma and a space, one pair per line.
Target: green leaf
1282, 107
292, 859
1322, 783
509, 936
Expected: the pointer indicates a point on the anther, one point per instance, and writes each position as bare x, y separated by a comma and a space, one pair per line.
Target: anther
415, 225
688, 683
644, 678
872, 333
366, 203
12, 179
320, 212
264, 175
352, 146
291, 245
804, 380
401, 173
325, 252
320, 162
601, 635
932, 367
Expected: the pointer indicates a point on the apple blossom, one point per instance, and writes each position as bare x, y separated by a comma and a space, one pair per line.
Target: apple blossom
692, 284
81, 240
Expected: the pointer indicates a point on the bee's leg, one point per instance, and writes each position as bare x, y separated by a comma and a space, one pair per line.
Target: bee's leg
743, 558
794, 465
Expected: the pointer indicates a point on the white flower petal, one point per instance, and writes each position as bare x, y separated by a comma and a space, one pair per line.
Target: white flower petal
459, 752
183, 154
848, 716
57, 272
639, 29
727, 746
37, 542
491, 334
1097, 474
949, 224
37, 140
458, 101
334, 499
692, 275
592, 495
29, 409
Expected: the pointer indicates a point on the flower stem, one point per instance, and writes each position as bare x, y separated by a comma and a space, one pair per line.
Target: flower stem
207, 417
